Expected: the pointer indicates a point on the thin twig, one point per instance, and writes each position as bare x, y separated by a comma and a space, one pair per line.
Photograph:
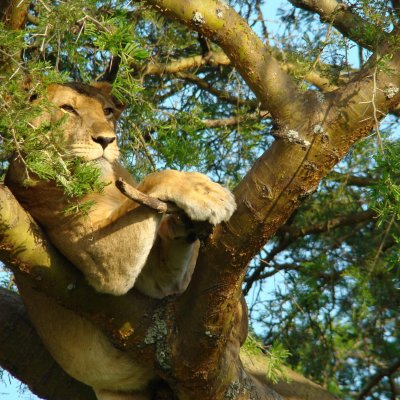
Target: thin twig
378, 134
145, 200
385, 235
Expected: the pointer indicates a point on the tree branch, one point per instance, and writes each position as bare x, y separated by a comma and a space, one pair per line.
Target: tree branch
24, 356
345, 21
352, 180
141, 198
14, 12
220, 58
321, 227
183, 64
233, 121
23, 246
219, 22
375, 379
293, 233
221, 94
284, 174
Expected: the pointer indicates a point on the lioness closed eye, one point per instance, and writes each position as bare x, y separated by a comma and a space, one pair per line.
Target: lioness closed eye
118, 245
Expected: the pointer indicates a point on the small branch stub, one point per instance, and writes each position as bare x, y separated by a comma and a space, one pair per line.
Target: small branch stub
145, 200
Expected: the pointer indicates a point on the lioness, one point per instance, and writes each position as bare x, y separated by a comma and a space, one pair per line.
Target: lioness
117, 245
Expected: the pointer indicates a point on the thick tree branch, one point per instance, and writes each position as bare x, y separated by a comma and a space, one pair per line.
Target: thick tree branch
345, 21
267, 196
24, 356
24, 247
294, 387
275, 186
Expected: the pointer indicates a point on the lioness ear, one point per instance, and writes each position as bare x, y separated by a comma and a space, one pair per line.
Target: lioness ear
106, 89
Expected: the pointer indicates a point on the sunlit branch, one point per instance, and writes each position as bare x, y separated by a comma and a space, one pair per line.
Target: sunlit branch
184, 64
215, 59
261, 19
345, 20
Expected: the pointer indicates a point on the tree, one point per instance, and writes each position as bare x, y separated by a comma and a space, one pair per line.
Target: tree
269, 114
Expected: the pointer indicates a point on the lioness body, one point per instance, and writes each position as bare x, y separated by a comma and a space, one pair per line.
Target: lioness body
117, 245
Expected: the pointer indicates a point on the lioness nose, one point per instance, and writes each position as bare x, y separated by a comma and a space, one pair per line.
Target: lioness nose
103, 141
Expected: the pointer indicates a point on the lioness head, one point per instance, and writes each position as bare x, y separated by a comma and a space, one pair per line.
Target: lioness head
89, 130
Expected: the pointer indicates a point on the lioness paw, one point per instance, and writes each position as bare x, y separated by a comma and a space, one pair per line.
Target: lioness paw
206, 201
195, 193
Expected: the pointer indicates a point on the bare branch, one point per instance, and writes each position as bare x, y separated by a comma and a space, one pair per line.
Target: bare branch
141, 198
219, 58
293, 233
352, 180
233, 121
221, 94
329, 277
183, 64
325, 226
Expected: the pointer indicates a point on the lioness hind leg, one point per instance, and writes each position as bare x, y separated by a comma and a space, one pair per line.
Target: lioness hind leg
102, 394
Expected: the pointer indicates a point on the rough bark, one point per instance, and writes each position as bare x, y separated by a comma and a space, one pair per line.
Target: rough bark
14, 12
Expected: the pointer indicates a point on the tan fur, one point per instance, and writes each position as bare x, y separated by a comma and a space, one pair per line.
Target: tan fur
117, 245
